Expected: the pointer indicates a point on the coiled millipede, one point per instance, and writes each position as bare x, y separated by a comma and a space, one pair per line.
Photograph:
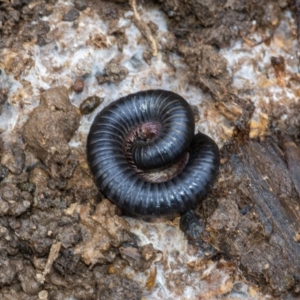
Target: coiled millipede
145, 157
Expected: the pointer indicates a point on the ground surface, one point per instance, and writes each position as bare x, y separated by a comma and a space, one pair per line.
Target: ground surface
235, 62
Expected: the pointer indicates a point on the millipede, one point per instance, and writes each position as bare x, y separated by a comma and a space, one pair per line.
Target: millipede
145, 157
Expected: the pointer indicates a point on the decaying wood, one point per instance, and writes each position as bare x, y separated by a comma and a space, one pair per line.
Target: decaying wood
257, 221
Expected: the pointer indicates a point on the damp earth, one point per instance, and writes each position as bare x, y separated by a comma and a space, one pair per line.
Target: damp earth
237, 64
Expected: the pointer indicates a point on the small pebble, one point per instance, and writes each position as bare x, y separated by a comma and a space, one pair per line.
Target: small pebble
26, 186
3, 172
46, 11
71, 15
78, 85
80, 4
89, 104
43, 295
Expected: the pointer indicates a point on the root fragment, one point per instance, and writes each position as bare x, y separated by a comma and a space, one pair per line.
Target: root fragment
54, 252
144, 28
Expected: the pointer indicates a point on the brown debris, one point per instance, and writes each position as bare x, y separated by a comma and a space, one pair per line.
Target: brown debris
114, 73
207, 69
139, 258
39, 177
259, 126
90, 104
118, 288
81, 187
231, 110
13, 202
51, 126
144, 28
103, 231
30, 285
15, 63
118, 33
20, 22
258, 218
279, 67
218, 23
152, 278
98, 40
54, 252
13, 159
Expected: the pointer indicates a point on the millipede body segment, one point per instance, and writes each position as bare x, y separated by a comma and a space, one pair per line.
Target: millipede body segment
146, 133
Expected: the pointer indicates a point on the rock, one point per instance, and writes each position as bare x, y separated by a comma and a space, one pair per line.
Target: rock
51, 127
89, 104
71, 15
78, 85
14, 159
80, 4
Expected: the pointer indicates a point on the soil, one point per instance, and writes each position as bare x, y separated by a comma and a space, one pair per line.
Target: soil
60, 238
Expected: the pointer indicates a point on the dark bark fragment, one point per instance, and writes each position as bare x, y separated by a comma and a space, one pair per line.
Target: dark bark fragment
258, 218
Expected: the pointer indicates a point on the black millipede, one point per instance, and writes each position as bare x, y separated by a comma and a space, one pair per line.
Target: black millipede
145, 157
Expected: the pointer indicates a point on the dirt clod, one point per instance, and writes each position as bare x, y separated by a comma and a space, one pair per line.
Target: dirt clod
89, 104
8, 272
113, 73
51, 126
13, 202
28, 280
103, 231
207, 69
14, 159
